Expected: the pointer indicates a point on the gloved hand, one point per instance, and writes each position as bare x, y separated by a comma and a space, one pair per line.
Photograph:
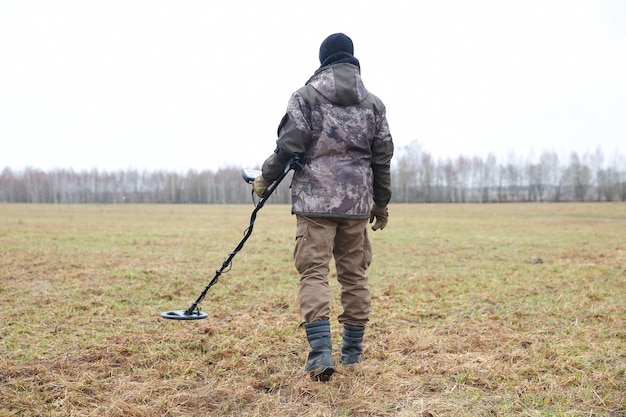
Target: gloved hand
381, 214
260, 185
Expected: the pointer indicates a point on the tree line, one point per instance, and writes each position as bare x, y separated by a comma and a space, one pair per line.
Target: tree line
417, 177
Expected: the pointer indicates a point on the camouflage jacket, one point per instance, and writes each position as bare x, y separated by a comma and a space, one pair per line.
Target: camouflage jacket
341, 130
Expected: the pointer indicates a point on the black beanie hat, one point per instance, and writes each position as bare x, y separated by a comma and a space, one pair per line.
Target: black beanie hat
336, 44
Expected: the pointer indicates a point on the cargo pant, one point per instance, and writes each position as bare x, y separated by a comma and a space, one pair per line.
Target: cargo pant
318, 240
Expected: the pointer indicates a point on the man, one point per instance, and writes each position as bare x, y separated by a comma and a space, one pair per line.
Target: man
340, 131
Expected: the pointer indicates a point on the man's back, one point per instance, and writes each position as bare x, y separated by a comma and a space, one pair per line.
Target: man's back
345, 123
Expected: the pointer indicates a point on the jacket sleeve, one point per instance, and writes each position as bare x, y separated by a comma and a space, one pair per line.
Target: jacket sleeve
382, 152
294, 137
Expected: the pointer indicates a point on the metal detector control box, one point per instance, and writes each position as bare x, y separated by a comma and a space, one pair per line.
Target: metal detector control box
249, 175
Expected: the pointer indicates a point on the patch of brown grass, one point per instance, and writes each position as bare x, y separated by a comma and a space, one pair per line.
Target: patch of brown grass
466, 321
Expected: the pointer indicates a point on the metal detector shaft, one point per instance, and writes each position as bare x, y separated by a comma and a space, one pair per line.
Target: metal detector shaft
294, 163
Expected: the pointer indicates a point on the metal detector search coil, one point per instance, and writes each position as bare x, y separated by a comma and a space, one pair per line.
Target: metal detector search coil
193, 312
184, 315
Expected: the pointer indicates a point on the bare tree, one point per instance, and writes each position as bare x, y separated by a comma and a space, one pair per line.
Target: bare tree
513, 177
489, 169
425, 175
405, 173
578, 176
595, 162
450, 182
552, 177
464, 171
535, 175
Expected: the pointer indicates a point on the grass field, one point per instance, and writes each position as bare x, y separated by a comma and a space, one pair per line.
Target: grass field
478, 310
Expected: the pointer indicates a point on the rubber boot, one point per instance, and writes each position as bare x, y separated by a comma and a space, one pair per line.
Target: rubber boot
320, 363
352, 345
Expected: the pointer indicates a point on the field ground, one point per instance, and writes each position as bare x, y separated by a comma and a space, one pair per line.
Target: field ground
478, 310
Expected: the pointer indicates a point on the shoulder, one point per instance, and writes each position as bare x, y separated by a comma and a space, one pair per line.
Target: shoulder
376, 103
306, 92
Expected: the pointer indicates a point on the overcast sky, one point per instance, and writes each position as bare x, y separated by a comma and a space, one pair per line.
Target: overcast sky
181, 85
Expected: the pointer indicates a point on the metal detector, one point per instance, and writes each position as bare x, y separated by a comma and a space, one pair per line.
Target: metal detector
193, 312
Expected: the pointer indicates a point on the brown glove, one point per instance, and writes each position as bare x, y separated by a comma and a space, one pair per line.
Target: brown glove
260, 185
381, 214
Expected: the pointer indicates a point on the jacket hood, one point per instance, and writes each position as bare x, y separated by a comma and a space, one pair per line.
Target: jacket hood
340, 83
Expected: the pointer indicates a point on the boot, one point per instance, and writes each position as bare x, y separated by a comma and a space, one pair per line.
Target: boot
352, 345
319, 364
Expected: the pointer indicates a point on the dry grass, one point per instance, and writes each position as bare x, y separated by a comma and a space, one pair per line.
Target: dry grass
479, 310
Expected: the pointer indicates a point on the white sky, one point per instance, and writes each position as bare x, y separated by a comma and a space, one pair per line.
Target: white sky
177, 85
